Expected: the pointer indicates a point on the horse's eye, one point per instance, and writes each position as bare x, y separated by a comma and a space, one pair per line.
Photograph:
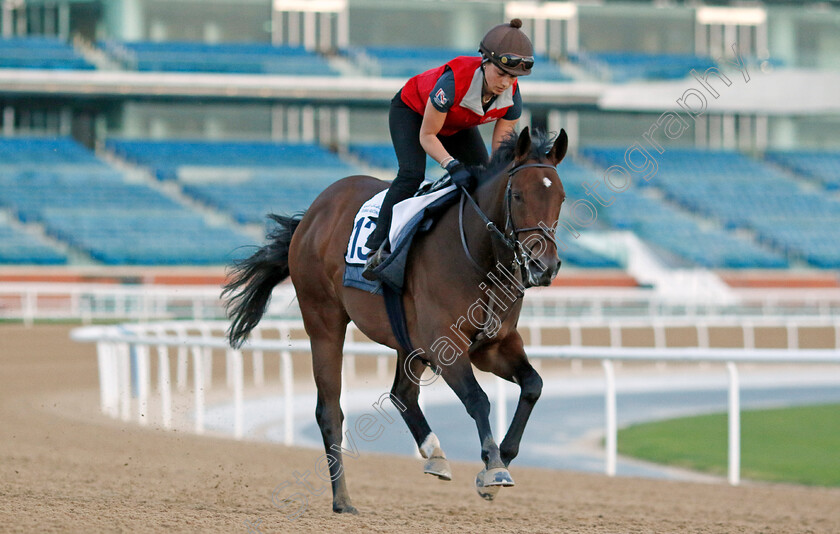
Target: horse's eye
517, 196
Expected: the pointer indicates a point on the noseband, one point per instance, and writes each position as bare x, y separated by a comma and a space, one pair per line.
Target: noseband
510, 237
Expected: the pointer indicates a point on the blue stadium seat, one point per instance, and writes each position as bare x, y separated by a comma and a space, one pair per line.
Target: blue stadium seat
165, 158
746, 196
248, 202
822, 166
271, 177
17, 247
382, 156
622, 66
405, 62
40, 53
82, 201
240, 58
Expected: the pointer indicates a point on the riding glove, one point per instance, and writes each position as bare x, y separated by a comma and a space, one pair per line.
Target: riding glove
460, 175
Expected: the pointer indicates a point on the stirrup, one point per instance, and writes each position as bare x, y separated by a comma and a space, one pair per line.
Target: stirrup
374, 260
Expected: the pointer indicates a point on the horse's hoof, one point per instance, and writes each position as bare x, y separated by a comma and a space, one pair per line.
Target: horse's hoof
489, 481
498, 476
439, 467
345, 509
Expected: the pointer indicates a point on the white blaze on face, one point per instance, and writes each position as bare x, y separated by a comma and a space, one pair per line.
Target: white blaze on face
547, 181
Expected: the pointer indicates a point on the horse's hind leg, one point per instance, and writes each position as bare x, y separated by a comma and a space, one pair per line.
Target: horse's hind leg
326, 335
406, 390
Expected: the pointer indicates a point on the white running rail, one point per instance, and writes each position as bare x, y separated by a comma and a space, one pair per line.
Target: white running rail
124, 354
28, 301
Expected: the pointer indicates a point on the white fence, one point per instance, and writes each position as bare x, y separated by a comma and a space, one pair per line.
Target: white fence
124, 357
108, 302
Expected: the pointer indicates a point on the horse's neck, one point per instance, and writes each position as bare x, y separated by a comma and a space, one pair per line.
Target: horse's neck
494, 285
491, 199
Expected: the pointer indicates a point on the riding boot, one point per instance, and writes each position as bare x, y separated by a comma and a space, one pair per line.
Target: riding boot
377, 242
374, 260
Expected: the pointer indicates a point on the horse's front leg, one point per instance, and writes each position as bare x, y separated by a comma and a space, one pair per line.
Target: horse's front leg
530, 385
460, 377
506, 359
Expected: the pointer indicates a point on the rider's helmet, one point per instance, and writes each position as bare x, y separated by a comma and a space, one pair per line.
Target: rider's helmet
507, 47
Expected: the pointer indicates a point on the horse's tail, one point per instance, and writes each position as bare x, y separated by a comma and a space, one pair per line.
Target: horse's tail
252, 280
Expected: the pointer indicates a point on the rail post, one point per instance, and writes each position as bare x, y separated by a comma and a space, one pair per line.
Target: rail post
734, 425
611, 431
286, 374
501, 408
238, 379
198, 379
164, 386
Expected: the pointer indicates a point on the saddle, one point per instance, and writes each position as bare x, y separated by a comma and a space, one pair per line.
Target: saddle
411, 217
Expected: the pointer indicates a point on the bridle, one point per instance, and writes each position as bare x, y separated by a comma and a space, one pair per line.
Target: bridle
510, 236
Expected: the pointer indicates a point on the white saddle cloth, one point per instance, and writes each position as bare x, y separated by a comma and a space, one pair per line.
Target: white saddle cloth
403, 212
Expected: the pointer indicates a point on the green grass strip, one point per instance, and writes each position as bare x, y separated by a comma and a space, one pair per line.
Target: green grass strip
800, 445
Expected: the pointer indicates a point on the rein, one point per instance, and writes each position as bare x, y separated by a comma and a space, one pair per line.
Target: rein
510, 236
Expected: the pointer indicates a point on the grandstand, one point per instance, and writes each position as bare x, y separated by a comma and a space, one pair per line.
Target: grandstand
749, 187
675, 231
81, 201
244, 58
621, 66
821, 166
404, 62
166, 157
740, 193
40, 53
243, 180
21, 248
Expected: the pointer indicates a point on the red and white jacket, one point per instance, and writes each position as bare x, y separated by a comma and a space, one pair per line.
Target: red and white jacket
466, 110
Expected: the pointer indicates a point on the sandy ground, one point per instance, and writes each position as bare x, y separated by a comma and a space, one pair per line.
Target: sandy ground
65, 468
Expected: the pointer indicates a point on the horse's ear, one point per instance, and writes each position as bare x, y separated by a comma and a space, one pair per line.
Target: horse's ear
558, 151
523, 145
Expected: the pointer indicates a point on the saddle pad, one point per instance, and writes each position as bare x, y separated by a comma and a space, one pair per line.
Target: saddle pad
409, 216
363, 225
403, 214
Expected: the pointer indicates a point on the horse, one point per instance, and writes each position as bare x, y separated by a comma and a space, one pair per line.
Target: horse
462, 297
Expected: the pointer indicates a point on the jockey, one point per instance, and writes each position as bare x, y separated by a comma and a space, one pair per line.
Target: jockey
438, 112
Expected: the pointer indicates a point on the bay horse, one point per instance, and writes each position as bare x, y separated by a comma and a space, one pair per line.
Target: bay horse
459, 276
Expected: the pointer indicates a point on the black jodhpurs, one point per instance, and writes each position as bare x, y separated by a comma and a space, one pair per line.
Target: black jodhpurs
466, 146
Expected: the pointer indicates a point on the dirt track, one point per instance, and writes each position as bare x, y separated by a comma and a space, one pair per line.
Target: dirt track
65, 468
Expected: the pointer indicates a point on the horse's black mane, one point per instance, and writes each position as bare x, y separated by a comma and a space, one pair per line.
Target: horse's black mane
541, 143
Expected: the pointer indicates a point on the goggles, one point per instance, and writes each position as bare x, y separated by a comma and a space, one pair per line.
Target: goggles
512, 60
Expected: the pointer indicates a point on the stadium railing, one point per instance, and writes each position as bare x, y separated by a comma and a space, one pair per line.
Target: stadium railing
124, 358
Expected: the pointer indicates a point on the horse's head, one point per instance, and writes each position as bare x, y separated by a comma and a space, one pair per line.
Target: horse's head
534, 197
